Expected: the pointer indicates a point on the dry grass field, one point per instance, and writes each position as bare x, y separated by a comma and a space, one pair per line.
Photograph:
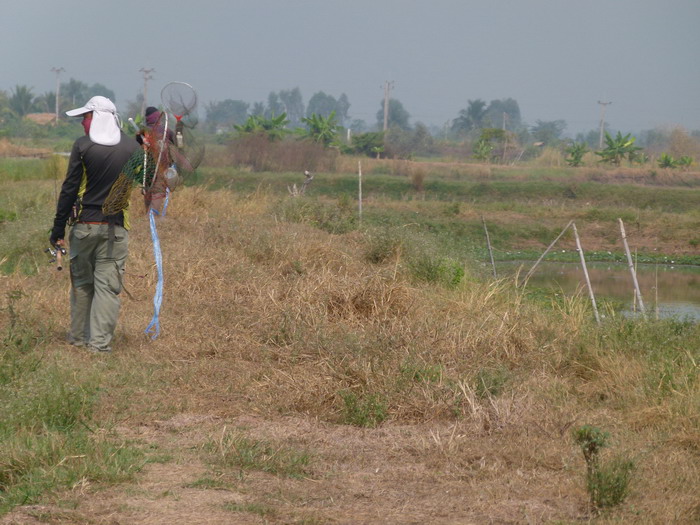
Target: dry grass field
295, 381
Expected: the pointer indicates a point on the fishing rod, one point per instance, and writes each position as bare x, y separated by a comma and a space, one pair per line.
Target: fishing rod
57, 251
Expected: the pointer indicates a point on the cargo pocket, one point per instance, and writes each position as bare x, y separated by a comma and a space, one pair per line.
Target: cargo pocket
80, 268
114, 281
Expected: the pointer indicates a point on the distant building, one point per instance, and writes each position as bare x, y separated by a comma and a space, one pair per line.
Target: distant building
41, 118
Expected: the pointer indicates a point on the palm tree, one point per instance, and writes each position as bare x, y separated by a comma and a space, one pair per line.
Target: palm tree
21, 100
75, 90
470, 118
46, 102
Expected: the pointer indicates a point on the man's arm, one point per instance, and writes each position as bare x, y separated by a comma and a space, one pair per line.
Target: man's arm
68, 196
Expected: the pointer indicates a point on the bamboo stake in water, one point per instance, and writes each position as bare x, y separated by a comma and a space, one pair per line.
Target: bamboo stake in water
488, 243
532, 270
630, 263
585, 272
359, 172
656, 291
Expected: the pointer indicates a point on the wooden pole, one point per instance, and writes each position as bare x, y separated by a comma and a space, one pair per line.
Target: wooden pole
488, 243
585, 273
656, 291
532, 270
505, 138
602, 122
630, 263
359, 191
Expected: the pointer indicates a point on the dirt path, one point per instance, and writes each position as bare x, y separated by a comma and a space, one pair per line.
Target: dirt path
397, 474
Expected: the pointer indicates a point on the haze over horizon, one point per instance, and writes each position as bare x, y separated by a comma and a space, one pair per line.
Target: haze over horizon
556, 58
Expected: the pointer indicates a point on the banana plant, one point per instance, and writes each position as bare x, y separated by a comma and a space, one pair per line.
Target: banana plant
575, 153
685, 162
273, 127
618, 148
322, 130
667, 161
482, 150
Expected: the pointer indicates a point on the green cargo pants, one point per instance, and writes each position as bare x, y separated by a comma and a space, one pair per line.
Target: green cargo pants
96, 280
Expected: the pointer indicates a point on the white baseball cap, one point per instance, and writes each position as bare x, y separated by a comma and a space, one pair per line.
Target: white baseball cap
104, 128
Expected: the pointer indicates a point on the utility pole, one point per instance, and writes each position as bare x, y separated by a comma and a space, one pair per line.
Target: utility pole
58, 71
388, 86
505, 137
146, 77
602, 122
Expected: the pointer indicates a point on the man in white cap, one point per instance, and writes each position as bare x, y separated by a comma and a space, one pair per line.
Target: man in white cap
98, 244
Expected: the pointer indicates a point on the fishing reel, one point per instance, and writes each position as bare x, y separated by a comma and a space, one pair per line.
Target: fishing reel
57, 252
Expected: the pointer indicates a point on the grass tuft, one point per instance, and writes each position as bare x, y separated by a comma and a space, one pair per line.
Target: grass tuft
233, 449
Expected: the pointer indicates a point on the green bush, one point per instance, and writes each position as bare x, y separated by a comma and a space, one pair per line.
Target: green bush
436, 269
607, 483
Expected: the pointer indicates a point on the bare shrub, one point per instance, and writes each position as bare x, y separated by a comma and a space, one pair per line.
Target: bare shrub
8, 149
418, 177
259, 153
251, 150
681, 143
550, 157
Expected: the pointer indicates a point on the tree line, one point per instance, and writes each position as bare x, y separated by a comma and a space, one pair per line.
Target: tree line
487, 131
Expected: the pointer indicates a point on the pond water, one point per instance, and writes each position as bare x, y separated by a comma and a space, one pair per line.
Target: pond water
667, 290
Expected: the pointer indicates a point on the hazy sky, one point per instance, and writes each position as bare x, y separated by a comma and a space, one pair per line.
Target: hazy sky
557, 58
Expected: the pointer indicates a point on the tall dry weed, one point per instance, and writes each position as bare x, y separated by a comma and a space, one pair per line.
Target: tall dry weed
550, 158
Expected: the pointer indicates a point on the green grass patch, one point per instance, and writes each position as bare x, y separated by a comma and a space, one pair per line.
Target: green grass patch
367, 410
48, 438
413, 371
491, 381
234, 450
332, 218
208, 483
16, 169
265, 511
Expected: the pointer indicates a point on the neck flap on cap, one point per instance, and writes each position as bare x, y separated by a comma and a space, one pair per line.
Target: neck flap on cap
104, 128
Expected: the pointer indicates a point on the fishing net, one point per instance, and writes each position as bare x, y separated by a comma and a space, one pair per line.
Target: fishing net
139, 169
168, 156
179, 98
189, 155
186, 151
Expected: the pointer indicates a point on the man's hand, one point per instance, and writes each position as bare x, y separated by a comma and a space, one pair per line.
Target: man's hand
56, 236
57, 251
